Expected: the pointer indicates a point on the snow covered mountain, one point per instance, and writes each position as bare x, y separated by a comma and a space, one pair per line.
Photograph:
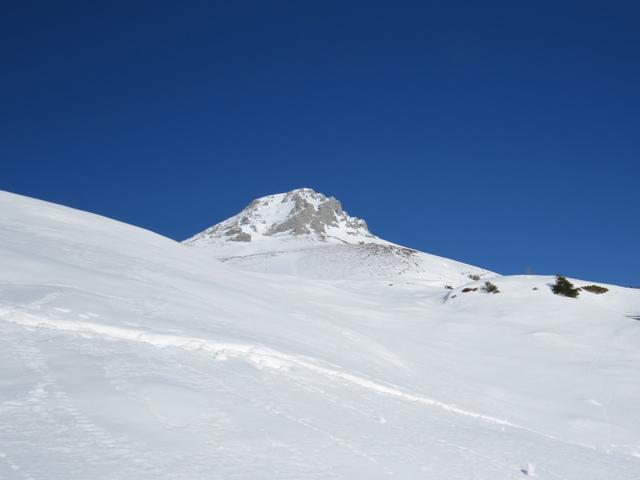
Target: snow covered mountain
124, 354
307, 234
301, 213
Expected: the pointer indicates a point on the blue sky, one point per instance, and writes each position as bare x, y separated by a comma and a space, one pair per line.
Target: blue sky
503, 134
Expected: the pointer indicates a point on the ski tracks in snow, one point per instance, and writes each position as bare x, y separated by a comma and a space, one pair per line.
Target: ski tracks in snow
260, 356
61, 414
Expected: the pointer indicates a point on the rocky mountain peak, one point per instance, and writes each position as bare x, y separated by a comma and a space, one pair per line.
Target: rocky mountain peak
301, 213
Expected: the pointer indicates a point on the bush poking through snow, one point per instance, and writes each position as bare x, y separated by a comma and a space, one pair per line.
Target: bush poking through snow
597, 289
466, 290
564, 287
490, 288
474, 277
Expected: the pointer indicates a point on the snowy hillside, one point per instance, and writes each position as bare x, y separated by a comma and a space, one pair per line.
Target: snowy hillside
307, 234
124, 354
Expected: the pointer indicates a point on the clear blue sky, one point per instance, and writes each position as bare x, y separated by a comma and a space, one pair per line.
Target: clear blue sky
503, 134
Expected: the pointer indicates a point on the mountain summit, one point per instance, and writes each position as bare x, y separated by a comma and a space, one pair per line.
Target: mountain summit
308, 234
301, 213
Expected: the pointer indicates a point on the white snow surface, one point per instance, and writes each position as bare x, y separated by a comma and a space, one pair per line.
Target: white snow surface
124, 354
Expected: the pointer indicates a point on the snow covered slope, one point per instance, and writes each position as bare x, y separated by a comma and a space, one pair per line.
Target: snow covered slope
124, 354
307, 234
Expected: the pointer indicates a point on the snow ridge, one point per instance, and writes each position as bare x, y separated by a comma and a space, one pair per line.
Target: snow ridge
258, 355
261, 356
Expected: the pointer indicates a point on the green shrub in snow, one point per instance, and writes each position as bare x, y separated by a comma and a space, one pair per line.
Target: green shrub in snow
490, 288
564, 287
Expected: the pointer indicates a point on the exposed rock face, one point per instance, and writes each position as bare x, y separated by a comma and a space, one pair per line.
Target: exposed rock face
307, 217
301, 212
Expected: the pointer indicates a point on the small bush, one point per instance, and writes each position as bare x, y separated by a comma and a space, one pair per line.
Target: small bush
597, 289
448, 287
490, 288
474, 277
465, 290
564, 287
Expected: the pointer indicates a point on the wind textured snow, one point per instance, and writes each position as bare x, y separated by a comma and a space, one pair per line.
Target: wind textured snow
314, 349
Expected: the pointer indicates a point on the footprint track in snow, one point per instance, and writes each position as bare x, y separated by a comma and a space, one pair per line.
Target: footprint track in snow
49, 399
260, 356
